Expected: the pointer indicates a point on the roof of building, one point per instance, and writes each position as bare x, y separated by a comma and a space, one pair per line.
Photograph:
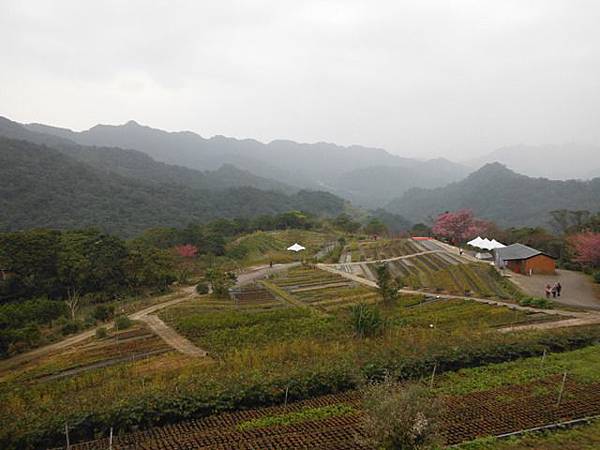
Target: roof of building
518, 251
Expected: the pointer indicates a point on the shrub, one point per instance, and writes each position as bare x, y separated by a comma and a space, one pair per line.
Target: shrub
597, 277
101, 333
202, 288
399, 416
103, 312
71, 327
122, 322
366, 320
537, 302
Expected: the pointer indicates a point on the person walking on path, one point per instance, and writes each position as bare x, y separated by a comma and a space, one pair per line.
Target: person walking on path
558, 287
548, 291
554, 291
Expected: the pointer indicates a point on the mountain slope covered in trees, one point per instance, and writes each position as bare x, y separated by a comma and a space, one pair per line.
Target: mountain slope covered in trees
43, 187
499, 194
375, 186
345, 171
138, 165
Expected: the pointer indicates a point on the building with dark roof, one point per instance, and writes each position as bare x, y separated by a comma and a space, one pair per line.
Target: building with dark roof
525, 260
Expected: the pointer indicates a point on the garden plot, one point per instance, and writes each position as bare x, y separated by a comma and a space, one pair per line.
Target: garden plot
478, 402
386, 249
135, 343
254, 296
266, 246
323, 290
441, 273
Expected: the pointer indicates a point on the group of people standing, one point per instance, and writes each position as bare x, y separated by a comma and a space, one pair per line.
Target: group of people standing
553, 291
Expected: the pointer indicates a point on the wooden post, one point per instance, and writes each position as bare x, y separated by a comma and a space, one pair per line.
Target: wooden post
432, 376
543, 359
110, 439
67, 436
562, 388
287, 389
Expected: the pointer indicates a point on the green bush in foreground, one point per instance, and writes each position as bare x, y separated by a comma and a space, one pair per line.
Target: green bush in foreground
101, 333
597, 277
400, 416
202, 288
366, 320
537, 302
122, 322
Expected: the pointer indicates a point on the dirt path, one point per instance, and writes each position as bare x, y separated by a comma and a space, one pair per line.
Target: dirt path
25, 358
259, 272
172, 338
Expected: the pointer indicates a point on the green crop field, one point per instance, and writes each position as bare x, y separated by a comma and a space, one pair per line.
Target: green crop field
265, 246
262, 346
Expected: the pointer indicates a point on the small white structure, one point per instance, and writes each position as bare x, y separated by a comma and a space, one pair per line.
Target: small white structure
476, 242
296, 248
485, 244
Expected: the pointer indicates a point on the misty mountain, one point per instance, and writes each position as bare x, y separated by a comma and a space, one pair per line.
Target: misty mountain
376, 186
321, 165
558, 162
136, 164
496, 193
44, 187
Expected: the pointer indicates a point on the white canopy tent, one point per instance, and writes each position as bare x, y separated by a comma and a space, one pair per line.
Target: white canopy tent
296, 248
475, 242
497, 244
485, 244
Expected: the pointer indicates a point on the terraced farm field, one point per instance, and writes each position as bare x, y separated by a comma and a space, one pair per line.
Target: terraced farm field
364, 251
435, 270
266, 246
323, 290
135, 343
474, 406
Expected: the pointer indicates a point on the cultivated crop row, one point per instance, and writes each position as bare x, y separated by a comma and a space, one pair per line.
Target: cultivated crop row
464, 418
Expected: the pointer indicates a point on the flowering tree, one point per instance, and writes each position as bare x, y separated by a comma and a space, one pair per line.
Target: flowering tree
459, 226
587, 248
187, 250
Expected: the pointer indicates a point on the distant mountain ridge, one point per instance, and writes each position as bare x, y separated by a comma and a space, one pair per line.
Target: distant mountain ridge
325, 166
556, 162
378, 185
138, 165
497, 193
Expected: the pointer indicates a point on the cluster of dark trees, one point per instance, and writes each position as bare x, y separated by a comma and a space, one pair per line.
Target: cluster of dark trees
49, 274
45, 187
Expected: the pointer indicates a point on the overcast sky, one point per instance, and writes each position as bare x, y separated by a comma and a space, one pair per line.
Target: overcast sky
419, 78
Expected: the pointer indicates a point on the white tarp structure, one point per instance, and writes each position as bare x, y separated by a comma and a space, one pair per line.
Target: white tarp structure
497, 244
485, 244
296, 248
476, 242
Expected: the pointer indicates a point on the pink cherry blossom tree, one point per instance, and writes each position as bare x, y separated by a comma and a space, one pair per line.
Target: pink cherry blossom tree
187, 250
587, 248
459, 226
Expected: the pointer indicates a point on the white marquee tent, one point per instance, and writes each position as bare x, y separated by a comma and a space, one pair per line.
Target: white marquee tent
485, 244
296, 248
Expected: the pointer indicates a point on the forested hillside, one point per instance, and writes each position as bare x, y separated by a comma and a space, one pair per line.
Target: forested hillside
42, 187
369, 176
375, 186
499, 194
136, 164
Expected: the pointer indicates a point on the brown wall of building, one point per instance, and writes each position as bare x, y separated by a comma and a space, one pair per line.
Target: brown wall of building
540, 264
